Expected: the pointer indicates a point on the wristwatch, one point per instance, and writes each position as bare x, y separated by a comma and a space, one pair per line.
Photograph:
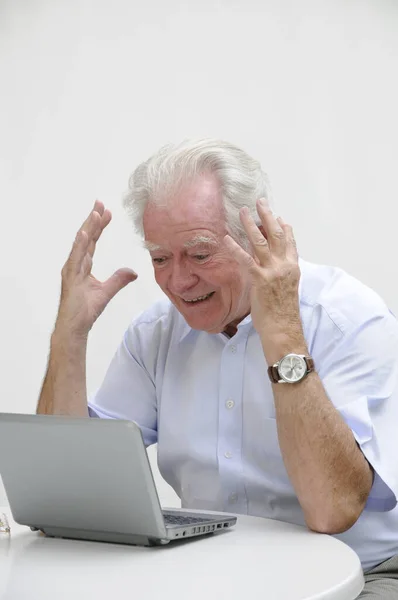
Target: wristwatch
292, 368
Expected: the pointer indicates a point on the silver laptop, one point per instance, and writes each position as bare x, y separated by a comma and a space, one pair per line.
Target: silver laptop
90, 479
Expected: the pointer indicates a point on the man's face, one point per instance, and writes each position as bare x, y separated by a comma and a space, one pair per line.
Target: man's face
192, 264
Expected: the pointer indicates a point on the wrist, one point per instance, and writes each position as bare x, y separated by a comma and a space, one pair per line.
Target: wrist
66, 342
277, 346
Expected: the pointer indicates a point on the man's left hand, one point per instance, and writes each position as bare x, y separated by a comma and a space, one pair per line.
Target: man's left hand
273, 265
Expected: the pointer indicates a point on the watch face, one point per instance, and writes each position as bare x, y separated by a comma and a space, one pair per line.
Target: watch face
292, 368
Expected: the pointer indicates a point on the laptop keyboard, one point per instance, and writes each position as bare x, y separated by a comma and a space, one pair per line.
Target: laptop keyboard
181, 520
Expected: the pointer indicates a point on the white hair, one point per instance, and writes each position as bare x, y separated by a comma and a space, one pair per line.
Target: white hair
241, 179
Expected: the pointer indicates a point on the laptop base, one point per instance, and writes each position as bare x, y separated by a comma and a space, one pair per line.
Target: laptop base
102, 536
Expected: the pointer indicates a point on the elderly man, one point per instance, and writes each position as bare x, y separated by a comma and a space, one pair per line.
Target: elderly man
269, 383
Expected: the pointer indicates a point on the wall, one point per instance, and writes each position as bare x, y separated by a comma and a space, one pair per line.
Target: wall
89, 88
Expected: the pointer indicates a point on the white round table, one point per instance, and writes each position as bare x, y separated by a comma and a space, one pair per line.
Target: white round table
258, 558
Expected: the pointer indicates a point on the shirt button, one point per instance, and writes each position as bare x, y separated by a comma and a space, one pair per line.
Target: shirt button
230, 403
233, 349
233, 497
228, 454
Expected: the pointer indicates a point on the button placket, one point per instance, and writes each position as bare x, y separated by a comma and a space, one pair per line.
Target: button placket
230, 422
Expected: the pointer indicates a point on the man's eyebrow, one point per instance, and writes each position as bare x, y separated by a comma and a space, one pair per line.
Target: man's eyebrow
200, 239
195, 241
151, 246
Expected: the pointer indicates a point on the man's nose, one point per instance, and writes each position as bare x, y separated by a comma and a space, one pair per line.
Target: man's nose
182, 279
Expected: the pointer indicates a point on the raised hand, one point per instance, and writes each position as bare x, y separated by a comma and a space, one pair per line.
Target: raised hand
273, 265
83, 297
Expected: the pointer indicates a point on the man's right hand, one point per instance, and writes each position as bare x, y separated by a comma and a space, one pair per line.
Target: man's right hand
83, 297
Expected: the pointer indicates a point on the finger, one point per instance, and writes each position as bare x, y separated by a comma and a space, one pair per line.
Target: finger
257, 240
291, 246
86, 264
243, 257
77, 254
118, 281
99, 208
106, 218
81, 258
93, 229
86, 238
275, 233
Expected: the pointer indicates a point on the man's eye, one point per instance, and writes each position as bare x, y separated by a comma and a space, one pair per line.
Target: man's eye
201, 256
158, 261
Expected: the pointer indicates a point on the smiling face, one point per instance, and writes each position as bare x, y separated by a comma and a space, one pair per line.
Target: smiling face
191, 261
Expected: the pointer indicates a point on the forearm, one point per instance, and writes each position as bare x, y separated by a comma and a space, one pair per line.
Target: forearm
329, 473
64, 387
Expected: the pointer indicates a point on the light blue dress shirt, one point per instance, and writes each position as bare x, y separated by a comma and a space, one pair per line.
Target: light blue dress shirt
208, 403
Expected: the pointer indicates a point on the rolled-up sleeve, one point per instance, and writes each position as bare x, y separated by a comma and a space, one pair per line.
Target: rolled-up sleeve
360, 374
128, 389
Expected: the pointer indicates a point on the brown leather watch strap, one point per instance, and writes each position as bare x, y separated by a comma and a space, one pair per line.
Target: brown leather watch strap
310, 363
273, 374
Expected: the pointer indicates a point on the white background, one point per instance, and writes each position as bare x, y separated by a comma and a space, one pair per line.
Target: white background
89, 88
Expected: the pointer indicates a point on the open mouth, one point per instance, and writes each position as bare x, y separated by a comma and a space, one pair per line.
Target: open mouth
199, 299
